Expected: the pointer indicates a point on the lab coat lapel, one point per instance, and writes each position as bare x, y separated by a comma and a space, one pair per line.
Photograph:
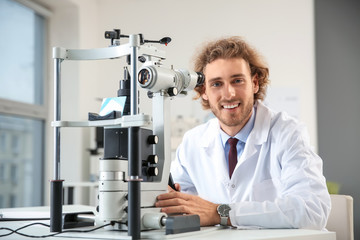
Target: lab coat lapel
259, 134
214, 150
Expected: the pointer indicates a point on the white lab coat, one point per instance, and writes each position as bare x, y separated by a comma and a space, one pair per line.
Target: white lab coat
277, 183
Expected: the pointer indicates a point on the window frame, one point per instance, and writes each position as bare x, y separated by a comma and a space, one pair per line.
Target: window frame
20, 109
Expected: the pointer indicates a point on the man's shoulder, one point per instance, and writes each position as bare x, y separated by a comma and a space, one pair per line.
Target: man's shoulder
278, 118
277, 123
203, 129
285, 127
283, 119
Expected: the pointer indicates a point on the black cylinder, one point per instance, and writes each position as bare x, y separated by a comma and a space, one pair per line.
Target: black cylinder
56, 223
134, 224
124, 90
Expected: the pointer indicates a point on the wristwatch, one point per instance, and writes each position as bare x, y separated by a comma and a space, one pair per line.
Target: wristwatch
223, 210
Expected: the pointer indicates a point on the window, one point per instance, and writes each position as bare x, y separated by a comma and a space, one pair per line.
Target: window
22, 54
23, 109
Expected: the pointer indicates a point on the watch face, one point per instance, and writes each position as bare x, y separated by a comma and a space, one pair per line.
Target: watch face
224, 210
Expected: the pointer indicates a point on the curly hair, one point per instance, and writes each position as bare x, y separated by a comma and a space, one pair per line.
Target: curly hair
232, 47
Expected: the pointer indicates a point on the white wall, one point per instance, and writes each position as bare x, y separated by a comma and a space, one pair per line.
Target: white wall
283, 31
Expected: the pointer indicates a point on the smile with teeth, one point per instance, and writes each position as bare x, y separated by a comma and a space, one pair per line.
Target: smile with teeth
230, 106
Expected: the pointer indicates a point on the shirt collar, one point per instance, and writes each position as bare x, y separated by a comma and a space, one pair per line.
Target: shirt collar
243, 134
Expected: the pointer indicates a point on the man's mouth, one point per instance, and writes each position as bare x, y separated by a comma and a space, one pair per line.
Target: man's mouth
230, 106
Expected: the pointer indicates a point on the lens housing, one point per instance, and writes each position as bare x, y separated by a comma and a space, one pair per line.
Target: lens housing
156, 78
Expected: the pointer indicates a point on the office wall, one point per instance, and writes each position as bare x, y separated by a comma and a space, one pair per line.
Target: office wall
283, 31
338, 87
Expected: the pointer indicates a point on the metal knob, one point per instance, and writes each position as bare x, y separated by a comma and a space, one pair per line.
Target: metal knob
153, 159
153, 171
153, 139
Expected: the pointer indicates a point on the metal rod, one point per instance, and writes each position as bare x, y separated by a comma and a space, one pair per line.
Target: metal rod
134, 78
57, 116
56, 190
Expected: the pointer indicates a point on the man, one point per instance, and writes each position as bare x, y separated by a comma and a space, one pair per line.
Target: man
276, 180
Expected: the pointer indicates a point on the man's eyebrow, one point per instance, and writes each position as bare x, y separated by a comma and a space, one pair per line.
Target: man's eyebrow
232, 76
214, 79
238, 75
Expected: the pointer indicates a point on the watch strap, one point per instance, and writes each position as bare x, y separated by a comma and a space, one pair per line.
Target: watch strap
224, 221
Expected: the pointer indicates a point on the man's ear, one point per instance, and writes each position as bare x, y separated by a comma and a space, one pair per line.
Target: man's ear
204, 96
255, 83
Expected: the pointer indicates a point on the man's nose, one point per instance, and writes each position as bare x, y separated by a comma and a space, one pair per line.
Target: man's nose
229, 91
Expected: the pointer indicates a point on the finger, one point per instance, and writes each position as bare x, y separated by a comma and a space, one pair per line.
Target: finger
165, 196
170, 202
175, 187
175, 209
173, 194
170, 189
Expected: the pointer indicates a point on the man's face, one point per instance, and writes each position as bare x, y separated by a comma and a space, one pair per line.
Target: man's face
230, 89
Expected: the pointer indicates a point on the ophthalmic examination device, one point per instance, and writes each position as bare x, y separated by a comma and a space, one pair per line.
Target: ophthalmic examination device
135, 167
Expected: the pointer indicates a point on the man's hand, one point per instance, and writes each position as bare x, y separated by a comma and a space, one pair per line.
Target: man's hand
177, 188
177, 202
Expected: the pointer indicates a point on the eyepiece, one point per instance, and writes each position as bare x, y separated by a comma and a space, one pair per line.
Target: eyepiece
201, 79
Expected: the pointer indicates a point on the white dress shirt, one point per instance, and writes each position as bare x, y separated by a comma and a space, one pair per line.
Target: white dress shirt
242, 136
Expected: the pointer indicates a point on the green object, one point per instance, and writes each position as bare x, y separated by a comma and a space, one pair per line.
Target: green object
333, 187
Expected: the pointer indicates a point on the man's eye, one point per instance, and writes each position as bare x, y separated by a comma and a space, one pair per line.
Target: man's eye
238, 80
215, 84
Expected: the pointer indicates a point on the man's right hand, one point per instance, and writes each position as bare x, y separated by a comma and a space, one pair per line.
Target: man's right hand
175, 202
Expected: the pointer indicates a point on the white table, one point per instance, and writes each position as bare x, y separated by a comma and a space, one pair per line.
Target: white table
205, 232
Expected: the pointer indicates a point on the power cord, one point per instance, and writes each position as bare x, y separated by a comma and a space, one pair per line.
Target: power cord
46, 225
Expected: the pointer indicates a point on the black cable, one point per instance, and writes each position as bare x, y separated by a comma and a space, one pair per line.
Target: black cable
46, 225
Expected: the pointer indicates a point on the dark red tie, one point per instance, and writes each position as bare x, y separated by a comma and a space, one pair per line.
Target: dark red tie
232, 155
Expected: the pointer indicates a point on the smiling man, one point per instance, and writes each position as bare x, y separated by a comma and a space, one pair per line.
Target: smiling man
249, 166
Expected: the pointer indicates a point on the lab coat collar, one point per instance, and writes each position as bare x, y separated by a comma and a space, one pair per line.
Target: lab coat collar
261, 128
258, 135
209, 137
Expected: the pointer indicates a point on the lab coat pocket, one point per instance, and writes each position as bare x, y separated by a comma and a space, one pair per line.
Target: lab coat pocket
266, 190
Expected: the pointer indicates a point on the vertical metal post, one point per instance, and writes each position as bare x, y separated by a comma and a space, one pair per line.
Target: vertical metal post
133, 40
57, 116
56, 184
134, 187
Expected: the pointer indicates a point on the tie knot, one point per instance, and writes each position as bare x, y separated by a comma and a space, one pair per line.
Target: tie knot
233, 142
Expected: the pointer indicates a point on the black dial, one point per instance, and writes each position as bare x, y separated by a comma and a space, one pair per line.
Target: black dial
223, 210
